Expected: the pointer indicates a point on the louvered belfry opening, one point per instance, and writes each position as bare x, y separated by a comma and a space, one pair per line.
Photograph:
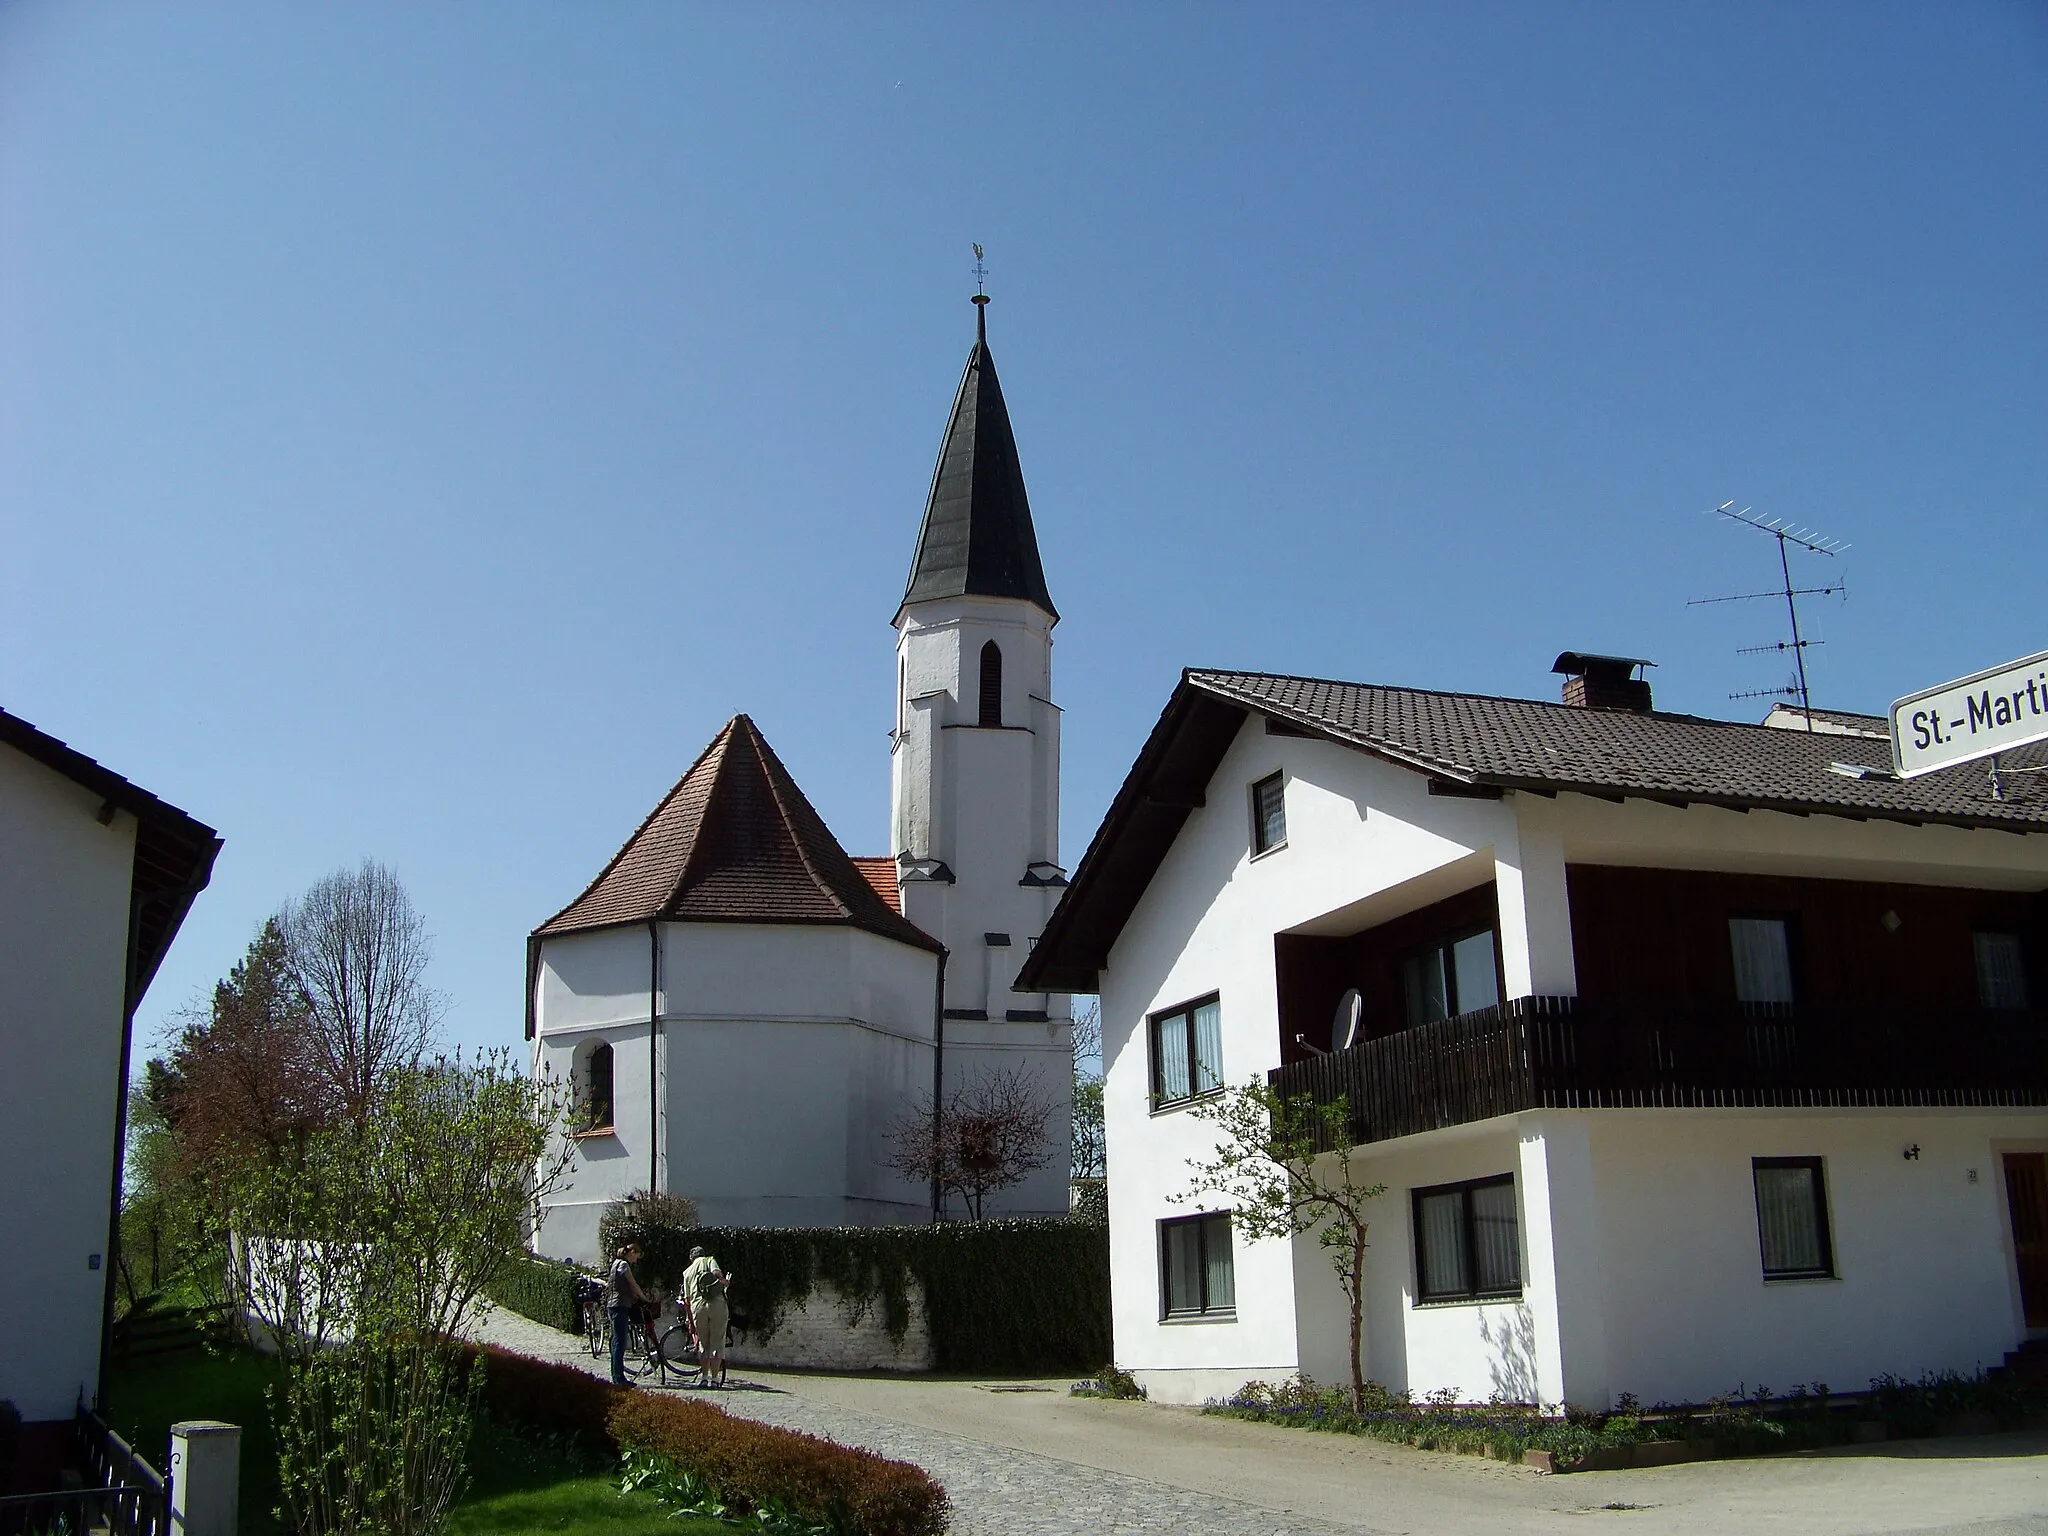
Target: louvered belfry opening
991, 684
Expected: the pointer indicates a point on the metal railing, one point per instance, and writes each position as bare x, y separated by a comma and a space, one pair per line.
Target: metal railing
121, 1494
1567, 1053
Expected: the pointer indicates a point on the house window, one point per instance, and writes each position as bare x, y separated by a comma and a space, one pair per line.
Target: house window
991, 684
1792, 1218
1467, 1241
597, 1088
1763, 960
1450, 977
1269, 815
1196, 1277
1187, 1052
2001, 970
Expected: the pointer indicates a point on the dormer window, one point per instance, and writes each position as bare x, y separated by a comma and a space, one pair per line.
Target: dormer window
991, 684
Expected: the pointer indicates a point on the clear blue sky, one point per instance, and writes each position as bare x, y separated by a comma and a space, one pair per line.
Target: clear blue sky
422, 426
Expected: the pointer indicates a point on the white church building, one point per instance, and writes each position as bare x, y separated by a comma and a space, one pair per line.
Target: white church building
1691, 1053
746, 1010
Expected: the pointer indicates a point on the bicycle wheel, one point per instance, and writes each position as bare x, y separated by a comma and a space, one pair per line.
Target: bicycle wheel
678, 1352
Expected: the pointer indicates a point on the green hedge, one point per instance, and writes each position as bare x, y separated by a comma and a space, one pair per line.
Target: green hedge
536, 1288
999, 1295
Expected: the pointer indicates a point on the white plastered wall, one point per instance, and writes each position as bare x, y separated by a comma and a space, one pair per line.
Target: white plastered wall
1367, 842
784, 1056
64, 889
1206, 924
985, 801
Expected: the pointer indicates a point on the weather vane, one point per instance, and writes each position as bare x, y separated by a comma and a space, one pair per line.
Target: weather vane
980, 273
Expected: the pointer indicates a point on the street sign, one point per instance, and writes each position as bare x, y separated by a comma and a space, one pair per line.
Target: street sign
1974, 716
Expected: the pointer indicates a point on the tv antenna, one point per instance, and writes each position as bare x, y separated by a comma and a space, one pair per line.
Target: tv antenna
1813, 543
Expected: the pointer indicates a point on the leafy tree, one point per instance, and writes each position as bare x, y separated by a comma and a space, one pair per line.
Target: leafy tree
364, 1252
241, 1074
986, 1136
1270, 1165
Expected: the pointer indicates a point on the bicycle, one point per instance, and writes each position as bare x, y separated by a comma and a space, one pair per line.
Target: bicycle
662, 1352
596, 1327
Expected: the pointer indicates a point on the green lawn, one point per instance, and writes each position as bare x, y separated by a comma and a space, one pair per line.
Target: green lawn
515, 1485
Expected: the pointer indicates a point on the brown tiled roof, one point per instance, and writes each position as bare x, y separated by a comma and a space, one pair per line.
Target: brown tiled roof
880, 872
734, 842
1476, 743
1530, 744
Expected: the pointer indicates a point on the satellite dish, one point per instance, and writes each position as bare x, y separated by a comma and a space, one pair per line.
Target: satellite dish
1344, 1027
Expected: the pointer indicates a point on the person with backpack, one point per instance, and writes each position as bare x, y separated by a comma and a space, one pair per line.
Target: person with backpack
704, 1287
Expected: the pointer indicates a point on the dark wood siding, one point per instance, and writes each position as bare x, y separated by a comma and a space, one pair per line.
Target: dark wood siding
1314, 972
1653, 933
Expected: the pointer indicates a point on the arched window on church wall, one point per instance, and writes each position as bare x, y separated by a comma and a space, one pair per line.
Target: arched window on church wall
991, 684
594, 1087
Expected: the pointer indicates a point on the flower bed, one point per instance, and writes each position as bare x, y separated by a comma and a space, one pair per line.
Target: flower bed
1741, 1423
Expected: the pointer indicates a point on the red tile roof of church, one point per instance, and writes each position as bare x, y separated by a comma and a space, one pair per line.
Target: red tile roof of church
880, 872
735, 842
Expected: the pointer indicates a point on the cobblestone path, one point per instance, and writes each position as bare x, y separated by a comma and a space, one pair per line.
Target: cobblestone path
996, 1491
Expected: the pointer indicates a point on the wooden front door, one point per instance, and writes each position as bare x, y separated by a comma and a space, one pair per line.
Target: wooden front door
2026, 1197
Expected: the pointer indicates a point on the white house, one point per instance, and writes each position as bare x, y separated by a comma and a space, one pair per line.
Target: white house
96, 875
747, 1010
1688, 1055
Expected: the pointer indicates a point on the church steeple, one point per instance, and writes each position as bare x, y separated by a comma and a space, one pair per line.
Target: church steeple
977, 539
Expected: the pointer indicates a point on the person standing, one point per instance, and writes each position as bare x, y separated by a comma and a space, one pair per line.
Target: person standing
704, 1288
622, 1294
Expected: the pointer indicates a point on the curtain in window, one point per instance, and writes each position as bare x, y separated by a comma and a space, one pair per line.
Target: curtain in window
1472, 963
1442, 1237
1217, 1269
1788, 1220
1763, 959
1183, 1267
1172, 1036
1208, 1073
1271, 810
1496, 1249
2001, 970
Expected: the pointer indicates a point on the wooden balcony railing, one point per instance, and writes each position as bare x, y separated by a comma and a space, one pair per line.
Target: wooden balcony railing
1565, 1053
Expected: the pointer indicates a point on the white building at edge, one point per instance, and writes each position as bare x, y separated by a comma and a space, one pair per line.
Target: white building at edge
746, 1011
96, 875
1687, 1059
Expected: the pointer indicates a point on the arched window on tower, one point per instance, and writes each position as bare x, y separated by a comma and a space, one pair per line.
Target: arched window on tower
596, 1088
991, 684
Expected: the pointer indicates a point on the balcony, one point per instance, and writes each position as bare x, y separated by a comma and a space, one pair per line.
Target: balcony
1567, 1053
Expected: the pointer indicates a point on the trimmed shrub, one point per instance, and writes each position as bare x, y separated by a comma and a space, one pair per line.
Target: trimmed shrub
555, 1399
761, 1467
539, 1289
999, 1295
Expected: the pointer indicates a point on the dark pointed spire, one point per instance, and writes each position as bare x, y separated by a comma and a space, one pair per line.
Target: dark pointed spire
977, 539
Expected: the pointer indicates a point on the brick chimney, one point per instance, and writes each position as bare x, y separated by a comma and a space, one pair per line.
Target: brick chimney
1604, 682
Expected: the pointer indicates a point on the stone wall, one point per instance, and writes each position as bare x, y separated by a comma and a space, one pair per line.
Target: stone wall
817, 1336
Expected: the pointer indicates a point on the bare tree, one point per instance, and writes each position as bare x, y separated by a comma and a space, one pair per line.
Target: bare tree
988, 1135
1090, 1151
357, 951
